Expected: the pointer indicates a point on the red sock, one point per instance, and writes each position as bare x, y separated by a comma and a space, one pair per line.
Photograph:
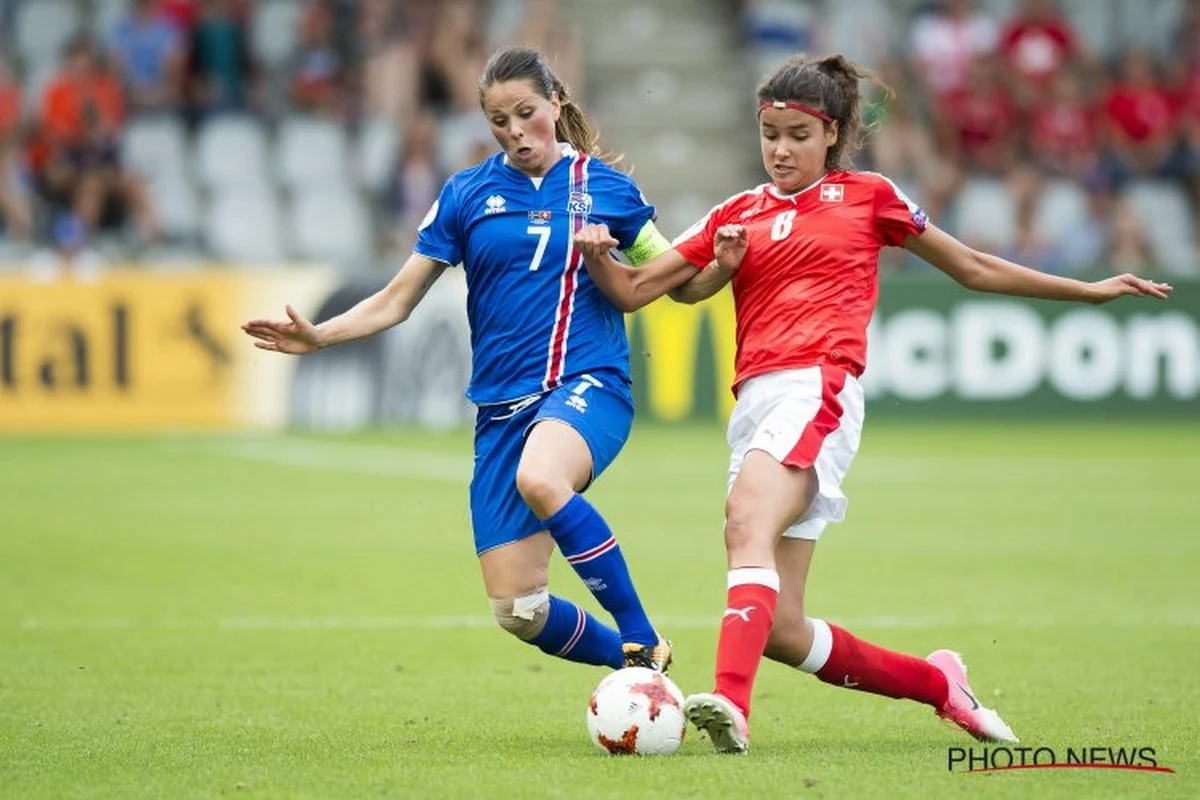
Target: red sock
749, 607
855, 664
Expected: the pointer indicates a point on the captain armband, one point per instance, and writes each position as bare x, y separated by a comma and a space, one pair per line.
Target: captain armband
648, 244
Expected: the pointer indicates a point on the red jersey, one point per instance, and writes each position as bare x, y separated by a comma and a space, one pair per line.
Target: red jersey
1063, 130
807, 287
1141, 113
983, 121
1038, 49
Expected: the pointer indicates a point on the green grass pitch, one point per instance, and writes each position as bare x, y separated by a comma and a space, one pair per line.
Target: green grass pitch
302, 616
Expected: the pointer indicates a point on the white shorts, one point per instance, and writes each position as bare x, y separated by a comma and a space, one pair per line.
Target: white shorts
802, 418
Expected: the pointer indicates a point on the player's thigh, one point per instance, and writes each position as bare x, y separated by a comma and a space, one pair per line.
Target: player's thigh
587, 421
517, 568
555, 452
767, 497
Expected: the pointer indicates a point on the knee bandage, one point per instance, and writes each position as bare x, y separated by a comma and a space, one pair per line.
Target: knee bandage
523, 617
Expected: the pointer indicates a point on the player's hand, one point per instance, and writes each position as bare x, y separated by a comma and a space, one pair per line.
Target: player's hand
1119, 285
594, 241
729, 246
296, 336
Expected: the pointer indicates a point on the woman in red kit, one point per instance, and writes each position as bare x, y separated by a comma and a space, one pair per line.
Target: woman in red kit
802, 252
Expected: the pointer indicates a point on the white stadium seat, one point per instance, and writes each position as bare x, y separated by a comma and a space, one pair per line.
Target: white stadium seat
1062, 206
37, 76
231, 151
244, 226
174, 199
105, 14
273, 31
154, 145
43, 27
1166, 215
310, 152
985, 214
329, 226
376, 153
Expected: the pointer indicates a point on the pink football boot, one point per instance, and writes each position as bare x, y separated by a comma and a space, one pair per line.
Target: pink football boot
961, 706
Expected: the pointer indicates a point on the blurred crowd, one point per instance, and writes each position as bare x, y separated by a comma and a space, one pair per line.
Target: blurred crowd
1024, 135
238, 129
266, 130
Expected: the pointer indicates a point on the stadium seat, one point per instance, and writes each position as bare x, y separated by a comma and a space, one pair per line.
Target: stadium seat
376, 152
154, 145
37, 76
105, 14
273, 31
1166, 215
174, 199
1000, 10
231, 151
778, 28
1095, 22
330, 226
310, 152
986, 214
1061, 206
1151, 25
680, 213
863, 29
243, 225
43, 27
458, 135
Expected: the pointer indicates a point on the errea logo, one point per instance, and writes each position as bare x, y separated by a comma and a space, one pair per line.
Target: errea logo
494, 205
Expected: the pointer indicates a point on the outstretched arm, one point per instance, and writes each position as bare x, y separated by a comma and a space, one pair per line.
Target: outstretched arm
629, 288
390, 306
984, 272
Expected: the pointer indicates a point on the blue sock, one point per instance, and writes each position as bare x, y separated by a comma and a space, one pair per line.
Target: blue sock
573, 634
589, 546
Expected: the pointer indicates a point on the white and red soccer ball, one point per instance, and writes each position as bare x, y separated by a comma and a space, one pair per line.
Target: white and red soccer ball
636, 711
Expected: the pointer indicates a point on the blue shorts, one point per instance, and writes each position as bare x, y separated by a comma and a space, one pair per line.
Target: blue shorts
598, 405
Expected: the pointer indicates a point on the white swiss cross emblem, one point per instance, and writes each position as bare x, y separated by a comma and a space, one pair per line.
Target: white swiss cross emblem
831, 193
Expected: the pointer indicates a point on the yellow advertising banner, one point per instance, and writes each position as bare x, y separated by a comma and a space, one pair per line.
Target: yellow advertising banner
138, 349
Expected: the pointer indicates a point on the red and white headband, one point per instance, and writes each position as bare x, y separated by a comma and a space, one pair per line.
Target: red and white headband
821, 115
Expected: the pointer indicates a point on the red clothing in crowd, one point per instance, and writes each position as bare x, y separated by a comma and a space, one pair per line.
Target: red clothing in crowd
983, 123
1038, 49
1141, 113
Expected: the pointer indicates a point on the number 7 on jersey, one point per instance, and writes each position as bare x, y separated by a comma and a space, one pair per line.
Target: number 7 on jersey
543, 234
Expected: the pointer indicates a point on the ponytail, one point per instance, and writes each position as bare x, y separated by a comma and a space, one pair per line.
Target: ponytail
573, 126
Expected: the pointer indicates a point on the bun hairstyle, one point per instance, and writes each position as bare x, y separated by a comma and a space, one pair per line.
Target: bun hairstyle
829, 85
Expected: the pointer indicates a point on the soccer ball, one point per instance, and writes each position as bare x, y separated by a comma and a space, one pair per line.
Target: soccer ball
636, 711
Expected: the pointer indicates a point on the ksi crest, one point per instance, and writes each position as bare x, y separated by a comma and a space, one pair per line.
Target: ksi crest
579, 203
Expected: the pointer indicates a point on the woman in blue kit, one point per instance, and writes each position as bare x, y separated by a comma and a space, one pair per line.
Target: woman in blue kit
550, 363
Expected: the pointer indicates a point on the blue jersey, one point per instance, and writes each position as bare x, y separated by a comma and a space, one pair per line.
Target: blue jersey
537, 320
